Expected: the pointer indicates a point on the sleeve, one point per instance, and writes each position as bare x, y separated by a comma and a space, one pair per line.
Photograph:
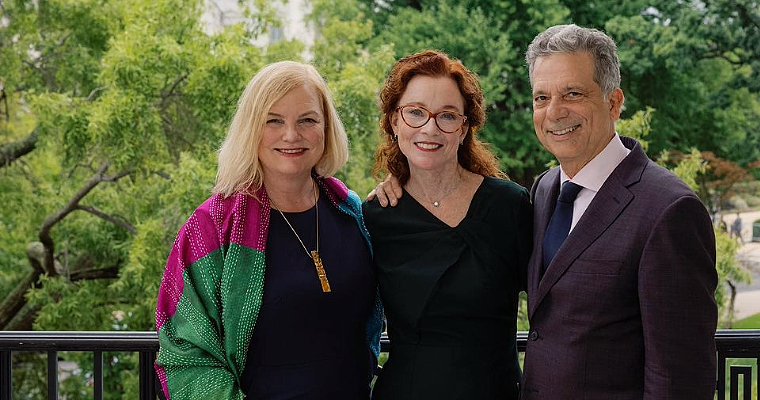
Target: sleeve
374, 327
192, 363
524, 237
677, 281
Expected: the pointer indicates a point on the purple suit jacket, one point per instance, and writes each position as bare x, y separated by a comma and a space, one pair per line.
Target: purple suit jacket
626, 308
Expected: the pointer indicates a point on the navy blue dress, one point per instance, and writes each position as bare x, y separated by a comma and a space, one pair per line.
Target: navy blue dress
310, 345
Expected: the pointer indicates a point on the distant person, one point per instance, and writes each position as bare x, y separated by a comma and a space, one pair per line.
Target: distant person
451, 255
269, 291
736, 228
722, 225
622, 307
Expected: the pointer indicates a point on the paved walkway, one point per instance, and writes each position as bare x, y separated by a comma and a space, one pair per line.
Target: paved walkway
748, 295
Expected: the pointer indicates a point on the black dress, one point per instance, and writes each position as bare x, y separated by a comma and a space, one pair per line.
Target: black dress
310, 345
451, 295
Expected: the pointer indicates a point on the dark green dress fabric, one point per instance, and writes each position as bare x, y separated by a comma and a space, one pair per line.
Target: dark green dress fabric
450, 295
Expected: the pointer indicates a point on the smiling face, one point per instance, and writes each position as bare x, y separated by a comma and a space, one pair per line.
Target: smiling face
573, 120
294, 135
427, 147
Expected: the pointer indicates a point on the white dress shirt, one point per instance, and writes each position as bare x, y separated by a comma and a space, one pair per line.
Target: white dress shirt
593, 175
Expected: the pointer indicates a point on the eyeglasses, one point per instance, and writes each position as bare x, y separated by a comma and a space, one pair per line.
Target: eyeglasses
417, 116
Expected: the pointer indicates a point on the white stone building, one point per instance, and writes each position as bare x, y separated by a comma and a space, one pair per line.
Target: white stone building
220, 13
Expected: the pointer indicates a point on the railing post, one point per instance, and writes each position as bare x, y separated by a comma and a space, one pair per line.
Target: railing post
52, 374
97, 374
147, 376
721, 384
6, 375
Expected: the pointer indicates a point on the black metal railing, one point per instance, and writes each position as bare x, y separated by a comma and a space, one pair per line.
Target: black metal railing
739, 347
145, 343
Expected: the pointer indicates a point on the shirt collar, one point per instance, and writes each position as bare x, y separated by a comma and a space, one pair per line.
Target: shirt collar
593, 174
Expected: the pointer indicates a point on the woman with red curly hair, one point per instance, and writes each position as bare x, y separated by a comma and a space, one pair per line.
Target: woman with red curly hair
451, 255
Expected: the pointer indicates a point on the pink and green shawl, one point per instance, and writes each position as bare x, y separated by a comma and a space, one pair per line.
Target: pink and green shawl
212, 289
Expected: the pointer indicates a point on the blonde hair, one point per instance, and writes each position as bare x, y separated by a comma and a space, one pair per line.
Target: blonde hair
239, 166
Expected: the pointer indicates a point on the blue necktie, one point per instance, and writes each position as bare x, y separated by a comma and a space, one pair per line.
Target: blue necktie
559, 225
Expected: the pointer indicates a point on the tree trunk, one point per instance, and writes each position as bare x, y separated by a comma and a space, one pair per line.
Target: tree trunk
15, 301
24, 319
731, 301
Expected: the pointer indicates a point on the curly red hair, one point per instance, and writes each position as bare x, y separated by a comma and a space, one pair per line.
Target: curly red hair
473, 155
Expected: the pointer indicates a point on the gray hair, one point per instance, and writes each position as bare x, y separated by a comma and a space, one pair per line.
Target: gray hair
561, 39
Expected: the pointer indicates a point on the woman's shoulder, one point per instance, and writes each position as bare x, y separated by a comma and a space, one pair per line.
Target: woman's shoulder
239, 218
504, 187
341, 196
219, 207
372, 210
500, 202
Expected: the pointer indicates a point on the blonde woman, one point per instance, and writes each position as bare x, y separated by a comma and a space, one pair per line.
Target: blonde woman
277, 216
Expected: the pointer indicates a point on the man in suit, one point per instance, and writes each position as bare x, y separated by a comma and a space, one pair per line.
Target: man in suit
622, 307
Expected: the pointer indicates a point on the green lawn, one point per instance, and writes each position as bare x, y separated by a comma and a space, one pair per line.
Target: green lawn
752, 322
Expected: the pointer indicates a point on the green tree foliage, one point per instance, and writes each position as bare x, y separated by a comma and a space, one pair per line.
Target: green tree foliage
354, 75
696, 63
730, 273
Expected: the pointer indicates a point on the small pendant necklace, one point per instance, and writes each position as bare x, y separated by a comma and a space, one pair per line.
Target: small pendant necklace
437, 203
314, 254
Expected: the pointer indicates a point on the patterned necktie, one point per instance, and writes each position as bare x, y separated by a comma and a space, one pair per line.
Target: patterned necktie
559, 225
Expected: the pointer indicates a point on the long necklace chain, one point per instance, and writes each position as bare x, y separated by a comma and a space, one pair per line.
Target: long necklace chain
314, 254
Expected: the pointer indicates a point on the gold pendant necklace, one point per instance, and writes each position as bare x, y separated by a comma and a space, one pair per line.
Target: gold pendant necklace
314, 254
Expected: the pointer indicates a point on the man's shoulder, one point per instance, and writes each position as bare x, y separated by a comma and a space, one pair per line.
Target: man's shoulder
664, 181
542, 182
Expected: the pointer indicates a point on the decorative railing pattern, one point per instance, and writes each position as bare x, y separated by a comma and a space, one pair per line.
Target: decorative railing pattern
735, 346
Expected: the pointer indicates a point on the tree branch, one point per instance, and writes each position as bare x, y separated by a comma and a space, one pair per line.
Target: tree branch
24, 319
11, 152
95, 273
16, 300
167, 176
94, 92
174, 86
112, 219
47, 226
4, 98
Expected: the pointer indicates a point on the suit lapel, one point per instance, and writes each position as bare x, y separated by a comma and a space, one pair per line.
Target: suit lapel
613, 197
